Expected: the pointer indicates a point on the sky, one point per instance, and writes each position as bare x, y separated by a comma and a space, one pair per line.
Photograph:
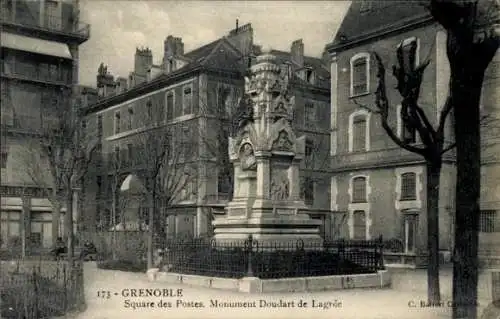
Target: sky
118, 27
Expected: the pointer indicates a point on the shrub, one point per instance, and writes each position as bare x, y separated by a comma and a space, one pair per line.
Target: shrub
123, 265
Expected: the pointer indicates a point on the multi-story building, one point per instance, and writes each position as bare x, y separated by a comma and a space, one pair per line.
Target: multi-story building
39, 68
196, 94
380, 185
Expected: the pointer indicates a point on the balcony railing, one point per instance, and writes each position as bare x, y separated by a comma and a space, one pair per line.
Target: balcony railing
58, 24
34, 73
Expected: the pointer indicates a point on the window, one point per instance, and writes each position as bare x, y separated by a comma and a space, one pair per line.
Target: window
359, 189
117, 156
309, 153
360, 76
117, 122
310, 76
130, 118
410, 52
10, 228
405, 131
359, 134
99, 125
3, 156
149, 110
310, 114
359, 224
307, 192
366, 6
408, 186
169, 105
185, 140
130, 154
187, 100
410, 232
84, 128
488, 221
224, 182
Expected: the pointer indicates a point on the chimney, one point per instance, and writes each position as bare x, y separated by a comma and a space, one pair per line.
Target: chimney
143, 61
242, 38
172, 46
297, 52
178, 46
121, 85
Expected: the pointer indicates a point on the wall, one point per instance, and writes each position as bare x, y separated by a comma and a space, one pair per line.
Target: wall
386, 48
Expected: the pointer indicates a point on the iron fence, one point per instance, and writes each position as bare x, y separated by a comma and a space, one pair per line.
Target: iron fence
40, 289
273, 260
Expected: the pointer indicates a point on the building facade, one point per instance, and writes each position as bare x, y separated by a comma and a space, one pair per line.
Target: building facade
39, 70
379, 184
194, 95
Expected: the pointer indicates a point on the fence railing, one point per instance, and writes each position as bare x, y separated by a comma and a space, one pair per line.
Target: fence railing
273, 260
60, 24
40, 289
36, 72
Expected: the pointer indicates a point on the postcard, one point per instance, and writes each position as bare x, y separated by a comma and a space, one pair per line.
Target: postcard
250, 159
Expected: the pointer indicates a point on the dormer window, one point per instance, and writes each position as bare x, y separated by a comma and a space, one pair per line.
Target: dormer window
187, 100
310, 76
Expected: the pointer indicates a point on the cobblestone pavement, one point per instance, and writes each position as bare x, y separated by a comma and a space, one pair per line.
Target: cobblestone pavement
409, 288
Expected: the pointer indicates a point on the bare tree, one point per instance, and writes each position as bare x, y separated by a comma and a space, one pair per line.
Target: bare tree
57, 158
166, 160
472, 42
415, 120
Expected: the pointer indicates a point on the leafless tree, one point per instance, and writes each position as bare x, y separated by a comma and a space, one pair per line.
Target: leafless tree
164, 155
57, 158
433, 146
472, 41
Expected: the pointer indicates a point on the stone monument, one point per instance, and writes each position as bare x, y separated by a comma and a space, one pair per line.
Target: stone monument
266, 154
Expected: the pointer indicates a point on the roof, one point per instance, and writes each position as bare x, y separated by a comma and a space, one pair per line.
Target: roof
377, 17
315, 63
202, 51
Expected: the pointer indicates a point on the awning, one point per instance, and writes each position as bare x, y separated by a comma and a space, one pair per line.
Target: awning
34, 45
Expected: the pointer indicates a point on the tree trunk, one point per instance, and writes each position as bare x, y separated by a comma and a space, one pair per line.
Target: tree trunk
151, 223
466, 92
433, 175
68, 218
113, 222
56, 216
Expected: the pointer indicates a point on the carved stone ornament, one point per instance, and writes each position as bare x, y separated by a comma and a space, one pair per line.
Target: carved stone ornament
247, 158
283, 142
280, 186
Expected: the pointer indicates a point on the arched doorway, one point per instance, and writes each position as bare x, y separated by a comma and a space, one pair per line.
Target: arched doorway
131, 196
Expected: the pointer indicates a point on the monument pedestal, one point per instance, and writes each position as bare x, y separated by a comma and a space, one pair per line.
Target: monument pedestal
266, 156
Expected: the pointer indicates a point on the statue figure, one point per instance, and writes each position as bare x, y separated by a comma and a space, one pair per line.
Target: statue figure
243, 115
282, 143
247, 158
280, 108
280, 188
102, 70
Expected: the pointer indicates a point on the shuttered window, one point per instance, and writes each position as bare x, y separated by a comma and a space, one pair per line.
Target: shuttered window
359, 190
359, 69
359, 134
359, 224
408, 186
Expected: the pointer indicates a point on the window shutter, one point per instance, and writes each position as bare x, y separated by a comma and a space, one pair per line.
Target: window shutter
359, 134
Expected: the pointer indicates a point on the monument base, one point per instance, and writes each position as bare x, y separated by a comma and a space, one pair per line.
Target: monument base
279, 227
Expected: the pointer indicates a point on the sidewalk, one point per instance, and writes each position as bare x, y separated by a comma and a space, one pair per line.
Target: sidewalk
409, 289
